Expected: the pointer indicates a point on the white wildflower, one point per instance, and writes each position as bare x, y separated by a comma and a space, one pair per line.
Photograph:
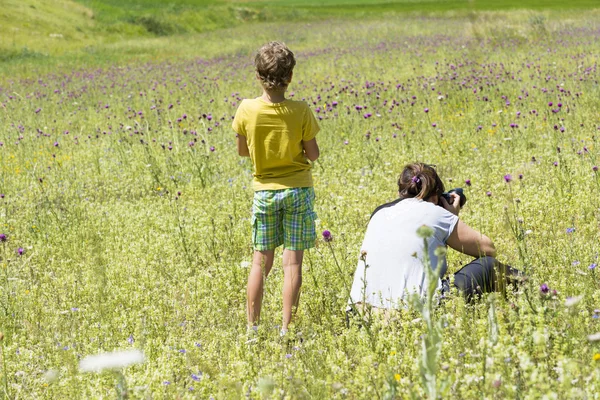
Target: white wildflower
594, 338
571, 301
51, 375
114, 360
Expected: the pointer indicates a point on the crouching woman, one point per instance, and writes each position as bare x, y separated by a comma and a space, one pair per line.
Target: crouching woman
392, 267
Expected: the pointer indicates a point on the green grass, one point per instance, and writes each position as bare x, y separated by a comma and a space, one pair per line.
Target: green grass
113, 252
115, 258
69, 32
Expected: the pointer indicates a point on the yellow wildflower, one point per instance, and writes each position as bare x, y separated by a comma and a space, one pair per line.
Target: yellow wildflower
597, 357
397, 377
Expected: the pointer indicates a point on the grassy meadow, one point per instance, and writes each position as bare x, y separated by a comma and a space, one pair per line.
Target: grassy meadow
125, 210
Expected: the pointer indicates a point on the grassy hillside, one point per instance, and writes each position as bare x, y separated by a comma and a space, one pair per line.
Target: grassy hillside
93, 32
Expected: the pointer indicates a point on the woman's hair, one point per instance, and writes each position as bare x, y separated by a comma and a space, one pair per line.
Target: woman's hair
274, 64
419, 180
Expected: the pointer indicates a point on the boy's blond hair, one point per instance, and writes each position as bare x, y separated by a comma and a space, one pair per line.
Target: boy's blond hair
274, 64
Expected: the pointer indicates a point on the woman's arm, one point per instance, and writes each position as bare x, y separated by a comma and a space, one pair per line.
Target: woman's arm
468, 241
311, 149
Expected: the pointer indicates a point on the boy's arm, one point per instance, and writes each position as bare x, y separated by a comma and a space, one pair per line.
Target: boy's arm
311, 149
242, 146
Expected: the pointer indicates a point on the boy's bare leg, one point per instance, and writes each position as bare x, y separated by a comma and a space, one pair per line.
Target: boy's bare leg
292, 281
262, 263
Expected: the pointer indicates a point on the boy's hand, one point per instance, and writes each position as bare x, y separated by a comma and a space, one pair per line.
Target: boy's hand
242, 146
311, 149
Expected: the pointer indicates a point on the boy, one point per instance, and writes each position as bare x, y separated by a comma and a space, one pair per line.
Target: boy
278, 135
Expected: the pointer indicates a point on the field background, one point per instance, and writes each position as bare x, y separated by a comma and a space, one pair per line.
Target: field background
126, 210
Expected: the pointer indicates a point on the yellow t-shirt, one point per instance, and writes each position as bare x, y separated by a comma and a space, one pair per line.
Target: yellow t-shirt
274, 133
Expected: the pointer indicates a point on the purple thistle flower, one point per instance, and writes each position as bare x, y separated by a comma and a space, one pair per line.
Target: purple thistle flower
327, 236
434, 124
508, 178
555, 163
38, 110
1, 195
3, 237
55, 144
544, 288
20, 251
468, 182
550, 104
595, 168
212, 148
520, 176
426, 110
130, 339
488, 193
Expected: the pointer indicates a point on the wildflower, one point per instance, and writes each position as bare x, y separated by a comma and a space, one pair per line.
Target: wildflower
426, 110
20, 251
327, 236
595, 168
397, 377
571, 301
508, 178
488, 193
425, 231
597, 357
166, 382
592, 266
114, 360
594, 338
38, 110
570, 230
197, 377
212, 148
520, 176
550, 104
544, 288
130, 339
1, 195
434, 124
3, 237
468, 182
55, 144
288, 356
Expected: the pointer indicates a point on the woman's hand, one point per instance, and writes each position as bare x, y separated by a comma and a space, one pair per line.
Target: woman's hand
454, 208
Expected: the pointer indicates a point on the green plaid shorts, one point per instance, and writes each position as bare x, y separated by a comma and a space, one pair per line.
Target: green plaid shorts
285, 217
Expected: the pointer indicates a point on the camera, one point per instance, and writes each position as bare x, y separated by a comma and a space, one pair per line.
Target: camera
459, 192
